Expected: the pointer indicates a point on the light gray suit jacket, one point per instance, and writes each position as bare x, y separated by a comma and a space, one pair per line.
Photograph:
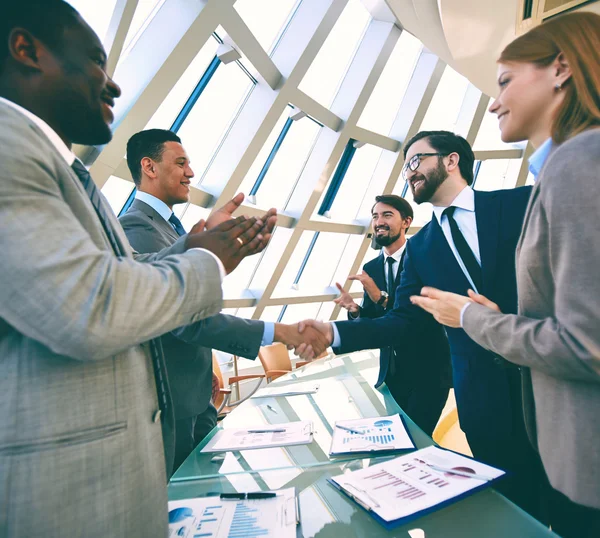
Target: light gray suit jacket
81, 451
556, 334
189, 366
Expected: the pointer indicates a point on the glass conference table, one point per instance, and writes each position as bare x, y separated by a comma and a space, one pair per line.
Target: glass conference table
345, 392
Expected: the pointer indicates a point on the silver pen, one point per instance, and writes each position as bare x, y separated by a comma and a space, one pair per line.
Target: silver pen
266, 431
348, 429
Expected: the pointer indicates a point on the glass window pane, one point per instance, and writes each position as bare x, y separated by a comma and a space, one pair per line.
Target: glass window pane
445, 106
284, 286
144, 13
265, 18
331, 63
359, 179
96, 14
209, 120
298, 312
369, 255
255, 271
261, 159
380, 112
488, 136
342, 271
116, 191
287, 166
271, 313
166, 113
497, 174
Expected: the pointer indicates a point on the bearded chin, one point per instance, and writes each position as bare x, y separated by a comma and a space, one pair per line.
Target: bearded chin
386, 240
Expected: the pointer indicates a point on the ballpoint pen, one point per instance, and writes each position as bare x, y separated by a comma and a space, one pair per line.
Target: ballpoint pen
271, 409
249, 496
348, 429
267, 431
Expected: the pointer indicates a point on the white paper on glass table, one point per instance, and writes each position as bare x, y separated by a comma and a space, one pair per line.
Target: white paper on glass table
274, 517
291, 390
265, 436
370, 435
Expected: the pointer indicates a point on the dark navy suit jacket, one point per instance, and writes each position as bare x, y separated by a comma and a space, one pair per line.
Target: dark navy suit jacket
418, 359
480, 379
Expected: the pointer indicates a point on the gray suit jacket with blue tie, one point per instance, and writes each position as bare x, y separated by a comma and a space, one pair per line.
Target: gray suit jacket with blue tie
187, 351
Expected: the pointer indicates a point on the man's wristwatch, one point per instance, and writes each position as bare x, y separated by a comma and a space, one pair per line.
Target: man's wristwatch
384, 296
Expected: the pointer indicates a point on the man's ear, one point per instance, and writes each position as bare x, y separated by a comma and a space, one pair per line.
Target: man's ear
148, 167
408, 222
26, 50
453, 159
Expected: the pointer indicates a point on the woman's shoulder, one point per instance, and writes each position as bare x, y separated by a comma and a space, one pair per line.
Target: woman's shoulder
583, 145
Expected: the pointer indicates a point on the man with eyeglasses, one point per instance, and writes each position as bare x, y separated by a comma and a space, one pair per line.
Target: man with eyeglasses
469, 243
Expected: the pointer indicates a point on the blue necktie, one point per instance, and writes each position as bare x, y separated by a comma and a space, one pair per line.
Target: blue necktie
155, 345
177, 225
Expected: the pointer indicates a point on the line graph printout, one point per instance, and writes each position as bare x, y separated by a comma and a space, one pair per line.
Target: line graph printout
370, 435
212, 517
415, 482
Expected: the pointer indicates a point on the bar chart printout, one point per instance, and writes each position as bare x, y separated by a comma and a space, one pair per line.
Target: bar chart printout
418, 481
370, 435
213, 517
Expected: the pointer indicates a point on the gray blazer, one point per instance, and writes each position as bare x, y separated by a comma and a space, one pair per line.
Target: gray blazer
189, 366
81, 451
556, 335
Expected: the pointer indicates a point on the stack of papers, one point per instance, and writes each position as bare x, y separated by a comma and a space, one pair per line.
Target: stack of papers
271, 435
370, 435
273, 517
415, 484
291, 390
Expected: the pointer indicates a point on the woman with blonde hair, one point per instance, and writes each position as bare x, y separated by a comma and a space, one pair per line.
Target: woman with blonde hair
549, 81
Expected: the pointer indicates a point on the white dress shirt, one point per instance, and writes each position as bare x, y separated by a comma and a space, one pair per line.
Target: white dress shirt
165, 212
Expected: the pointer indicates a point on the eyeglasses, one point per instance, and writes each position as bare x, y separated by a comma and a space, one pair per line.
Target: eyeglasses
415, 161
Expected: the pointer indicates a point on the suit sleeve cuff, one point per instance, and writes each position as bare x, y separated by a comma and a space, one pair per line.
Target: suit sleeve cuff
219, 263
462, 313
337, 341
268, 333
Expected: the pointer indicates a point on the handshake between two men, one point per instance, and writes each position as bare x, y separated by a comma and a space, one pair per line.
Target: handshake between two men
233, 239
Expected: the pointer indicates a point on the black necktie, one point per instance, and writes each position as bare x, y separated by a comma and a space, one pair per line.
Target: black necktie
155, 345
177, 225
391, 282
464, 251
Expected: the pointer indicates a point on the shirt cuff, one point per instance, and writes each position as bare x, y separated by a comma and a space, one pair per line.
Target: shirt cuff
462, 312
268, 333
337, 341
219, 262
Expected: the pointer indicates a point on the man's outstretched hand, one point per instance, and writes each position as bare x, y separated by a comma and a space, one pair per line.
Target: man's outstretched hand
313, 340
306, 350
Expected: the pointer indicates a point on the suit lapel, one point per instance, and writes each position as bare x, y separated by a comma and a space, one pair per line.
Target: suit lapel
487, 217
160, 223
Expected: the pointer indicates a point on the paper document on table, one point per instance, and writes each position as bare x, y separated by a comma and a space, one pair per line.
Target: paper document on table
214, 517
417, 483
289, 390
266, 436
370, 435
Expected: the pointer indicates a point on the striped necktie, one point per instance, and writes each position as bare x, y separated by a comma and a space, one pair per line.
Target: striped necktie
158, 361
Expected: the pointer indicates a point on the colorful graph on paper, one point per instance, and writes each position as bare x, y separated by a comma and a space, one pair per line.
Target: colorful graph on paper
371, 434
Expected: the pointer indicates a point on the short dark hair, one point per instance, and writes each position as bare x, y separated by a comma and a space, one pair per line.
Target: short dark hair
46, 20
446, 142
149, 143
397, 202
